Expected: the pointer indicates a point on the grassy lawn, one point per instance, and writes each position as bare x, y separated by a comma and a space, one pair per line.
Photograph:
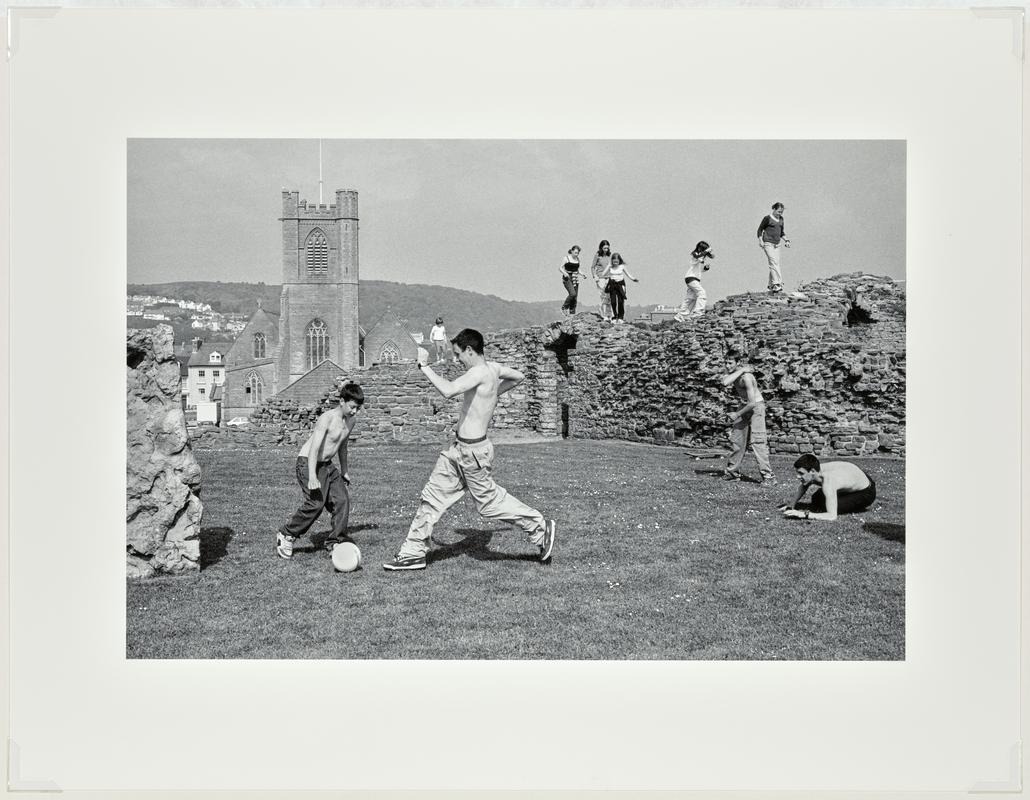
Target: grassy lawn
656, 558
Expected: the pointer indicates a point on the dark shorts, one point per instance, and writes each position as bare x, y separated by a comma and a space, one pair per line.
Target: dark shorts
847, 502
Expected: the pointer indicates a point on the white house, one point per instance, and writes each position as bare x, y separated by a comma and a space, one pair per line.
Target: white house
206, 371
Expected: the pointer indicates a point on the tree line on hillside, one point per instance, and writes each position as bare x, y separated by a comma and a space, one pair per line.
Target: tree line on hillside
418, 304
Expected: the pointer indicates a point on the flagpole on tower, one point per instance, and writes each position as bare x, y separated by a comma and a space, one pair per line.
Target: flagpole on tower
320, 172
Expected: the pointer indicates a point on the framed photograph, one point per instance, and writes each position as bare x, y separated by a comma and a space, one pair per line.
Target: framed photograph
603, 391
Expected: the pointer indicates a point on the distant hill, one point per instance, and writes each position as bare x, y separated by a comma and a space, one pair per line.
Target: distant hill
419, 304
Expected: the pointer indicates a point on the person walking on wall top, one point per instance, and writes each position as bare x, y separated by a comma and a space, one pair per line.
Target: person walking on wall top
599, 271
771, 235
570, 280
617, 274
696, 300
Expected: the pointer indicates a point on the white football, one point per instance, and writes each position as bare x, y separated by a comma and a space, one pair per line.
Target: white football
346, 557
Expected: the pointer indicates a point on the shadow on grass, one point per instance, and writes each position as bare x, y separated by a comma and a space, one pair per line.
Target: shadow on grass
318, 538
890, 531
721, 472
214, 544
475, 546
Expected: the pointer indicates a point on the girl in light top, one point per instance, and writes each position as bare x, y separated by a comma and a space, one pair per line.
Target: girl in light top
599, 271
570, 279
438, 336
617, 274
696, 300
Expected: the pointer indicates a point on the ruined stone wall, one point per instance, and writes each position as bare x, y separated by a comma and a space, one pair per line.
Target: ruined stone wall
401, 404
163, 508
830, 363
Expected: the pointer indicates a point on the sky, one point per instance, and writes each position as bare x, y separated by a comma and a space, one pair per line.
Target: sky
498, 216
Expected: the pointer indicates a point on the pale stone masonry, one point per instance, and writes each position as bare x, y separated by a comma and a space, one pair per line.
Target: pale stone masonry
163, 508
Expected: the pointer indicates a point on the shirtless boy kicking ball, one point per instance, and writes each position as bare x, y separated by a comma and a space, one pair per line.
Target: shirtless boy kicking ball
467, 465
843, 488
323, 485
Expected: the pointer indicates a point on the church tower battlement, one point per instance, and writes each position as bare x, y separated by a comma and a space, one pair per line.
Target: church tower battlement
319, 301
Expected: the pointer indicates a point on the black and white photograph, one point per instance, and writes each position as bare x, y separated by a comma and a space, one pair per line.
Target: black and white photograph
516, 399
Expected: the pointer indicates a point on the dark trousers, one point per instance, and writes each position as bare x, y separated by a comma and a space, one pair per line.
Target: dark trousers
617, 292
572, 287
847, 502
332, 496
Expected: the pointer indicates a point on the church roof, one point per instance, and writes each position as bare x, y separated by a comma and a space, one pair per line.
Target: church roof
259, 314
258, 362
326, 366
390, 318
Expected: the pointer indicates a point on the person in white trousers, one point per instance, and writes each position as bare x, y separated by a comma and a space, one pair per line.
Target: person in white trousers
696, 301
771, 235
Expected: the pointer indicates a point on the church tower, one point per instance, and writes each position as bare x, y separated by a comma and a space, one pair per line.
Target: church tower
319, 302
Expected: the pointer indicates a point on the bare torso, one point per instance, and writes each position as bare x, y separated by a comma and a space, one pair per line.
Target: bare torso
842, 476
479, 402
747, 388
337, 430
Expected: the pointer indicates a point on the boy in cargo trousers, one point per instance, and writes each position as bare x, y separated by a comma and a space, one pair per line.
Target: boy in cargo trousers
748, 424
467, 465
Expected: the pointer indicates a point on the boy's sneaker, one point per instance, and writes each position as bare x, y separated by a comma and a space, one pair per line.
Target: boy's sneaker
405, 562
284, 545
550, 529
730, 475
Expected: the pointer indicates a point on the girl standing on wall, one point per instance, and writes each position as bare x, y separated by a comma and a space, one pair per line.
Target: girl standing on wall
599, 271
617, 274
570, 280
696, 300
438, 337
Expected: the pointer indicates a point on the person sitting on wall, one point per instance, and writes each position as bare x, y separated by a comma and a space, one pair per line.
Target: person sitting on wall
843, 488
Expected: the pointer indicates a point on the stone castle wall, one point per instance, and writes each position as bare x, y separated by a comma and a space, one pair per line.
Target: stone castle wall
830, 363
831, 366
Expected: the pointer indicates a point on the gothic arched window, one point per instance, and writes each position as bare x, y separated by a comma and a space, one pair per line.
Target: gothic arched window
389, 354
317, 248
255, 389
259, 345
317, 337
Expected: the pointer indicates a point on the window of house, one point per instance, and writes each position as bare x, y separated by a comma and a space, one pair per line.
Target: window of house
200, 373
317, 343
215, 373
202, 391
259, 345
317, 253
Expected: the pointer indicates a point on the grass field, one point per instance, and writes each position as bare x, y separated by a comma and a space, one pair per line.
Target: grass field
656, 558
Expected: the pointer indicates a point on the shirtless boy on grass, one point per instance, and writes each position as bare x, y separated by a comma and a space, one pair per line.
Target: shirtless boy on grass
467, 465
842, 488
323, 485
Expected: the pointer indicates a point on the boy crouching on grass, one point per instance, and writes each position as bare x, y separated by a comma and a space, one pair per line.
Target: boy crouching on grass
322, 484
